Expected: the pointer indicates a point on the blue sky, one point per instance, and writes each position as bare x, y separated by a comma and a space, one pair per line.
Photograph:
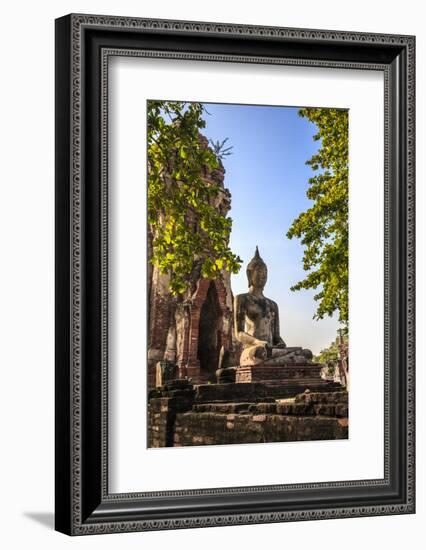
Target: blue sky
268, 179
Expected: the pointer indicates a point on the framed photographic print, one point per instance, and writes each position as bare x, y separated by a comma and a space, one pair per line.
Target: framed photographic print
234, 274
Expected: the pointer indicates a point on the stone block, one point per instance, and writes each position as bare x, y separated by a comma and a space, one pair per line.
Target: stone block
342, 410
160, 404
302, 409
303, 374
325, 410
285, 408
221, 407
270, 408
164, 372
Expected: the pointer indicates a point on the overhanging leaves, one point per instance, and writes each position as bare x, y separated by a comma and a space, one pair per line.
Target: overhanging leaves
323, 228
190, 234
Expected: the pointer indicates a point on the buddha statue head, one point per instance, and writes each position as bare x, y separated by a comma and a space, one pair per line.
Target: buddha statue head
257, 272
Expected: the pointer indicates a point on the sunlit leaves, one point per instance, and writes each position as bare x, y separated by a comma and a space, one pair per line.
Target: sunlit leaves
323, 228
190, 234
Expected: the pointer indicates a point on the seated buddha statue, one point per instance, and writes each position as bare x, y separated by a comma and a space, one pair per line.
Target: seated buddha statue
257, 326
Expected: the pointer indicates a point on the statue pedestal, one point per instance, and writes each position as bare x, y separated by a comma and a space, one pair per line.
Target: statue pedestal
303, 374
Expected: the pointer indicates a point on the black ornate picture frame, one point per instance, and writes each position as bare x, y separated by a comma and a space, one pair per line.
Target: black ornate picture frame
84, 44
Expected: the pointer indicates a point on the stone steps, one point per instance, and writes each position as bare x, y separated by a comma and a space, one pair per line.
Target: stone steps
257, 391
331, 408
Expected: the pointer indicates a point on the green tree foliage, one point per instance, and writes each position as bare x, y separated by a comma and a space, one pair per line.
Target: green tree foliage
188, 232
323, 228
331, 353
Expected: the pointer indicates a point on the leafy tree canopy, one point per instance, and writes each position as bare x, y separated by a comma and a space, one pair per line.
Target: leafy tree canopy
189, 233
323, 228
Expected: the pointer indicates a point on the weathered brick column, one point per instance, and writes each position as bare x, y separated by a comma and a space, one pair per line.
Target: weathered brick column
224, 336
161, 314
163, 406
182, 319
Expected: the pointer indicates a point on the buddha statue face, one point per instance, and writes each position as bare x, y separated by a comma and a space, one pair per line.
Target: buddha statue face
257, 272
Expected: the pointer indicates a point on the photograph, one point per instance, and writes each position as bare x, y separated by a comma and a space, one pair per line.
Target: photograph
247, 273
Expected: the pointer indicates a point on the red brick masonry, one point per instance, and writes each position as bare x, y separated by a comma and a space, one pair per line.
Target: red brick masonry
282, 374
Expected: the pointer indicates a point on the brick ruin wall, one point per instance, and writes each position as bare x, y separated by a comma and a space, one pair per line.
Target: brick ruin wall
226, 429
182, 419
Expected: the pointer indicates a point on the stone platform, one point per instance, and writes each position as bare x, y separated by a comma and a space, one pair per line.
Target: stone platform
257, 391
303, 375
224, 414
